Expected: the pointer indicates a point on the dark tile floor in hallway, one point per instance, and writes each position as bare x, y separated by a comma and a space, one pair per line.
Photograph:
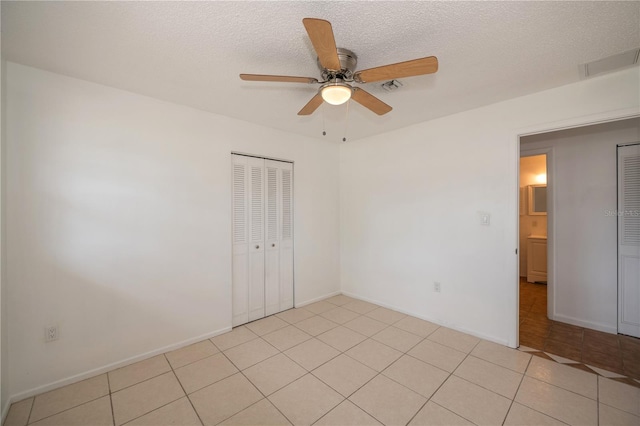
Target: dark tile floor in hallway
616, 353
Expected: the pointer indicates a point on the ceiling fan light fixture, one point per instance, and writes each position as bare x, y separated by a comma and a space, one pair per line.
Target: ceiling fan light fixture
336, 93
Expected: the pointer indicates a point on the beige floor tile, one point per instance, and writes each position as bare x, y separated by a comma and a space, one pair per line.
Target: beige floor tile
266, 325
563, 376
385, 315
70, 396
94, 413
305, 400
316, 325
179, 413
224, 399
205, 372
512, 359
341, 338
500, 380
286, 338
365, 325
191, 353
340, 300
416, 326
374, 354
250, 353
262, 413
472, 402
138, 372
18, 414
397, 338
274, 373
293, 316
347, 414
436, 354
344, 374
387, 401
311, 354
613, 416
558, 403
418, 376
519, 415
619, 395
360, 306
145, 397
235, 337
434, 415
454, 339
340, 315
319, 307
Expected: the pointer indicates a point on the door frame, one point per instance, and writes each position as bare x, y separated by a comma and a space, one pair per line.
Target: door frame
514, 194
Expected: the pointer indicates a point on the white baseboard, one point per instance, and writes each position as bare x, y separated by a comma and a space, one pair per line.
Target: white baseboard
5, 411
317, 299
435, 321
586, 324
105, 368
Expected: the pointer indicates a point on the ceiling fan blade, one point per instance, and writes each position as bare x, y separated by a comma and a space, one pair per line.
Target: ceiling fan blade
321, 35
367, 100
312, 105
277, 78
412, 68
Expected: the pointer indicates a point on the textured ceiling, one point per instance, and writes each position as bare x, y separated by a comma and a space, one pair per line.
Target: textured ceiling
192, 52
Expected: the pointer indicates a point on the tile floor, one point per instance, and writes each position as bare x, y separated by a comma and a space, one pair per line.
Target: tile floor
338, 362
587, 348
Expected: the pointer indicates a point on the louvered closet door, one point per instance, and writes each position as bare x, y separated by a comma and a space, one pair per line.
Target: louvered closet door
279, 237
248, 239
629, 240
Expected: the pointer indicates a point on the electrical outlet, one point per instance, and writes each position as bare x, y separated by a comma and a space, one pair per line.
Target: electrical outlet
51, 333
436, 287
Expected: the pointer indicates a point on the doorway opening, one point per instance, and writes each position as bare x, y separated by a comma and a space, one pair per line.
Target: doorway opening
580, 322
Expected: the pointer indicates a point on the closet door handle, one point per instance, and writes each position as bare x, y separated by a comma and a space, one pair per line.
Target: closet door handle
273, 245
257, 247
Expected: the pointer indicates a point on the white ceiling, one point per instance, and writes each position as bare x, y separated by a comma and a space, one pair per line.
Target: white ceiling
192, 52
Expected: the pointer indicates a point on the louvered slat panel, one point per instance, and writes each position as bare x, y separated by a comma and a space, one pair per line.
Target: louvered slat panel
631, 203
272, 203
257, 233
239, 204
287, 218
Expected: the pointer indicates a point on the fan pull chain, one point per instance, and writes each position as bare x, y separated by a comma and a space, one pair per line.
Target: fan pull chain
324, 132
346, 124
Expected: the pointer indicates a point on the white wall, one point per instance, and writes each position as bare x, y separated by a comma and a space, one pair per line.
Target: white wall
409, 201
530, 168
585, 238
119, 222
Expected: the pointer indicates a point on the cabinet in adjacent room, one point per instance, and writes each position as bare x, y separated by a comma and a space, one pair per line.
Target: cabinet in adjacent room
262, 233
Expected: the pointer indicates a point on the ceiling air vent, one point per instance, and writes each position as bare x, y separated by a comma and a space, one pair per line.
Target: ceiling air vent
612, 63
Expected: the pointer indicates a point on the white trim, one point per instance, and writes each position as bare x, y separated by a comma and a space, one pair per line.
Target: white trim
586, 324
317, 299
434, 321
581, 121
109, 367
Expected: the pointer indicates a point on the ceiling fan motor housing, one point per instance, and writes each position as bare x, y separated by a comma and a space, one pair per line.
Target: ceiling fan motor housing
348, 63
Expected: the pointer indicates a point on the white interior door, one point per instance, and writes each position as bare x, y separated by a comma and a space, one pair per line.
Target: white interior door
248, 239
629, 240
262, 237
273, 229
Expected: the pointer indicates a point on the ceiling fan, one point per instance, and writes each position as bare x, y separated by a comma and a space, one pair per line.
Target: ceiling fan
338, 70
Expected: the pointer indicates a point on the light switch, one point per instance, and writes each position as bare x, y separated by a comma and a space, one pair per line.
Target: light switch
485, 218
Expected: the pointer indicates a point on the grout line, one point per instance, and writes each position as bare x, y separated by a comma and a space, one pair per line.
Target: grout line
113, 415
183, 389
524, 373
65, 410
33, 402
